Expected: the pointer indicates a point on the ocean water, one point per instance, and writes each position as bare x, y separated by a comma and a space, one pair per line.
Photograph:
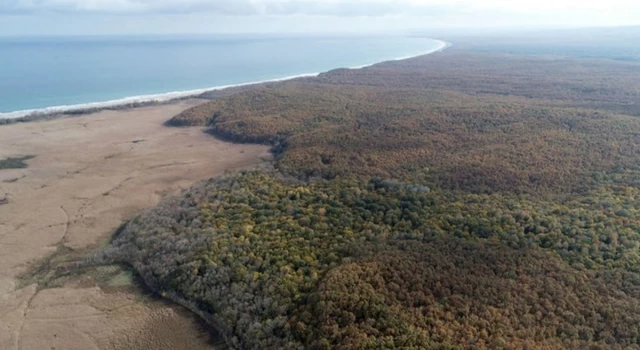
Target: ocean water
78, 72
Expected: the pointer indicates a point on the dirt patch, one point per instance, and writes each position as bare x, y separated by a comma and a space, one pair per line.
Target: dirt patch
92, 173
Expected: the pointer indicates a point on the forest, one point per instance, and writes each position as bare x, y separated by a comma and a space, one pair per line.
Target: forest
460, 200
472, 122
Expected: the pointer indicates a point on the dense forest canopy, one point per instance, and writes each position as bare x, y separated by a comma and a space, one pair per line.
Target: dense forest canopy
465, 121
457, 200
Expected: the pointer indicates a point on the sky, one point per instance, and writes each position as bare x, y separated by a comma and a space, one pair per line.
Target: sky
104, 17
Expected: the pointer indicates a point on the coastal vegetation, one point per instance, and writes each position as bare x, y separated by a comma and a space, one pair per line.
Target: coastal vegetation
461, 121
14, 163
354, 264
457, 200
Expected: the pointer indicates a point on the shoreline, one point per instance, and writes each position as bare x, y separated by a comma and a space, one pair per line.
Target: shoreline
153, 99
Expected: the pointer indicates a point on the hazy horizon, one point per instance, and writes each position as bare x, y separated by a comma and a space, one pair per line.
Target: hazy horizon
427, 32
146, 17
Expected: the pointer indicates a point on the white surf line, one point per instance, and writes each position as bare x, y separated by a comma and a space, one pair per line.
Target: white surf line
165, 97
442, 45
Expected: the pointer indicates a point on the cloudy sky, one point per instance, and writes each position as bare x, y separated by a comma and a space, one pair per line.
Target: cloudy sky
35, 17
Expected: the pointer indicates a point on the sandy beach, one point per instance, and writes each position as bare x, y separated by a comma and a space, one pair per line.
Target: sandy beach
89, 174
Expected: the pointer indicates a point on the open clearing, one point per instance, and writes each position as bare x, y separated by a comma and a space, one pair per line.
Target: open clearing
89, 174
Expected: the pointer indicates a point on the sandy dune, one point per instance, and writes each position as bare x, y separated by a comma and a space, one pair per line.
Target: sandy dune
90, 173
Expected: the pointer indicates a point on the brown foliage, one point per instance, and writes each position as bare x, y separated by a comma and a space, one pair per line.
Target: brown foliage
512, 221
449, 293
480, 123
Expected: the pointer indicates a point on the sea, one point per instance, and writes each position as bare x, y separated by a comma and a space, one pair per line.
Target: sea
53, 74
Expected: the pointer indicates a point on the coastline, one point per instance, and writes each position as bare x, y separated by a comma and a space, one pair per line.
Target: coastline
153, 99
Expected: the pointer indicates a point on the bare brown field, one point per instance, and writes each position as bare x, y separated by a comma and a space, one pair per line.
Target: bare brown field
89, 174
